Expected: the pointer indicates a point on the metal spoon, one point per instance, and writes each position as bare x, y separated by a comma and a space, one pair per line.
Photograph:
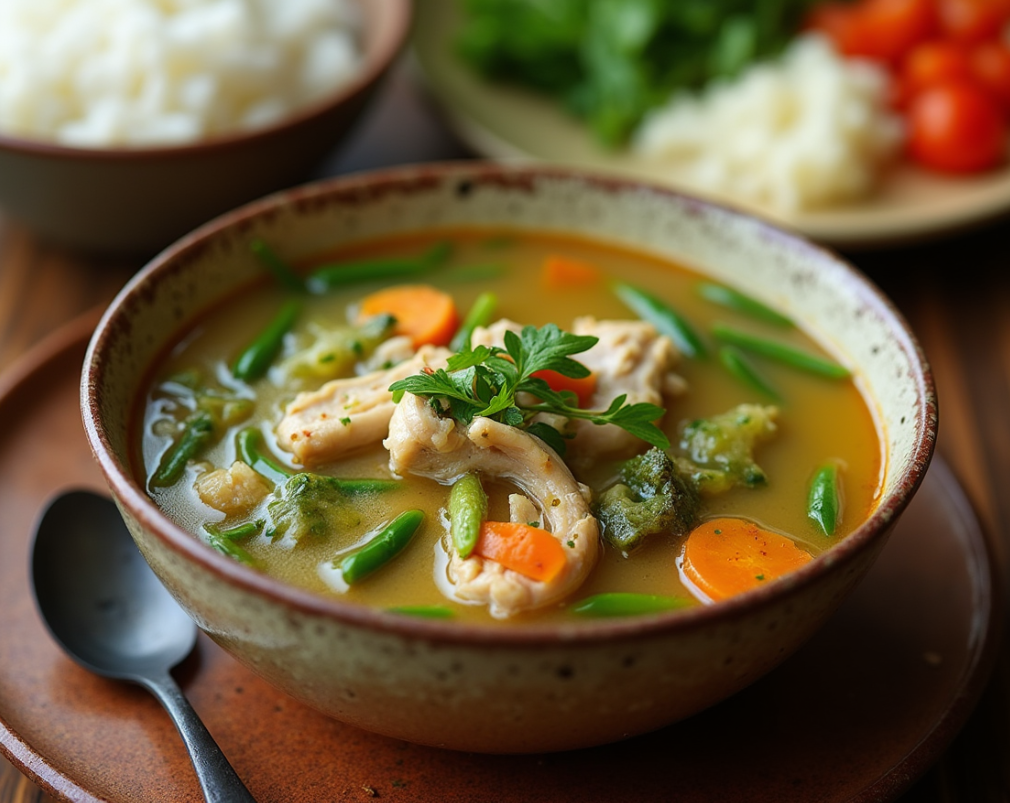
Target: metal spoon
108, 610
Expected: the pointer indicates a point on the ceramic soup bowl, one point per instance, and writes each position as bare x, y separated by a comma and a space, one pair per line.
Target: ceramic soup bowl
480, 687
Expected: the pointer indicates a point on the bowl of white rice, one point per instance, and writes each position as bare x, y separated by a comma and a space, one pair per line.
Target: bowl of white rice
126, 123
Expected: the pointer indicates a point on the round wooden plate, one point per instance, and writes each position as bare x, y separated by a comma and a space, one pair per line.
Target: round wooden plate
857, 714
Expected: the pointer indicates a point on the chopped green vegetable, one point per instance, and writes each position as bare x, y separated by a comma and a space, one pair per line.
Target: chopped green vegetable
740, 302
385, 546
238, 532
424, 611
281, 270
317, 505
342, 274
824, 499
255, 359
651, 497
467, 510
335, 352
198, 430
618, 603
491, 381
738, 365
479, 315
667, 320
249, 449
611, 61
227, 546
719, 450
782, 352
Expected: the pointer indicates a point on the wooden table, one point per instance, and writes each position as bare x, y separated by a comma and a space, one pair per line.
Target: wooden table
955, 294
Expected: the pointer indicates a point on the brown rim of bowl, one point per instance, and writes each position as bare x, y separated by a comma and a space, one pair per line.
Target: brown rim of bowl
391, 22
133, 496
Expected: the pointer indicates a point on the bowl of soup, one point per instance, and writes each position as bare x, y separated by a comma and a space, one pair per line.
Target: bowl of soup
110, 147
506, 458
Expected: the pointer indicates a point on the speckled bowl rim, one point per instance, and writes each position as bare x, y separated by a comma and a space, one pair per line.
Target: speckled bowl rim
394, 26
133, 497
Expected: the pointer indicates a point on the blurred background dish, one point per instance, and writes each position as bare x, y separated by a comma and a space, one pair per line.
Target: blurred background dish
507, 121
128, 181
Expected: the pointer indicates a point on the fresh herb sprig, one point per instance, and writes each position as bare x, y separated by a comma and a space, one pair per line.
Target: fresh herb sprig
493, 382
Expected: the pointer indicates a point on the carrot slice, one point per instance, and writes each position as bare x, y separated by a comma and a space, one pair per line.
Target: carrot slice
423, 313
583, 388
529, 550
728, 556
560, 272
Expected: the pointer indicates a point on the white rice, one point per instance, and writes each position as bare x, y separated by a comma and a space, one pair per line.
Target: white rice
807, 130
98, 73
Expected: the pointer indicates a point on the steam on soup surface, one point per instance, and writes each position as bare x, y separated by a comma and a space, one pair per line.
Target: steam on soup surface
302, 463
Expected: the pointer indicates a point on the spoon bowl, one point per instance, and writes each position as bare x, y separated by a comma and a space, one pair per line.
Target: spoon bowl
102, 603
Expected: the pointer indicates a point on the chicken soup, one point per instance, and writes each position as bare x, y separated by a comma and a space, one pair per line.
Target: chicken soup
510, 427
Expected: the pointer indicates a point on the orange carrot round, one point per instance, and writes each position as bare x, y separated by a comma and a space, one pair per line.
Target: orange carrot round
727, 556
561, 272
424, 313
523, 548
583, 388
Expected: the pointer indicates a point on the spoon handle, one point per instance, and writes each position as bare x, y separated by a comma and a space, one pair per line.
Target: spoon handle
217, 777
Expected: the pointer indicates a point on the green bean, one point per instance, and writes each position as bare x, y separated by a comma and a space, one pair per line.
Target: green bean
238, 532
740, 302
196, 434
424, 611
782, 352
249, 449
824, 499
627, 604
467, 510
281, 270
228, 547
365, 485
736, 362
478, 315
342, 274
385, 546
255, 359
667, 321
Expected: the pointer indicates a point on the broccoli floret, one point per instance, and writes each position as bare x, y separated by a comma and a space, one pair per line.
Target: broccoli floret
310, 505
719, 450
334, 352
652, 497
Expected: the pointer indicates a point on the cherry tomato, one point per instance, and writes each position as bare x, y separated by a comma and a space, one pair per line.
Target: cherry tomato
883, 30
956, 127
973, 20
990, 62
933, 62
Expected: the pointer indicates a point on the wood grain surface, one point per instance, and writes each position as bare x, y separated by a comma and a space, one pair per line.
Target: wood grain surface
955, 294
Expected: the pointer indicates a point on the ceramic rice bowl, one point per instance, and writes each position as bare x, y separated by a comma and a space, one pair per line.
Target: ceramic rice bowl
483, 688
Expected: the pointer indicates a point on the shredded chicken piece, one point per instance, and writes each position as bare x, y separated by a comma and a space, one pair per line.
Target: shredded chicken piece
423, 443
233, 491
345, 414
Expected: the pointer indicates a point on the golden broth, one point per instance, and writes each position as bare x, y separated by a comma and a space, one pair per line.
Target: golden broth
820, 420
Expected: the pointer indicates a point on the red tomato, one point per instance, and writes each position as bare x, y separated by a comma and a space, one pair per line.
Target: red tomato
883, 30
934, 62
956, 127
990, 62
973, 20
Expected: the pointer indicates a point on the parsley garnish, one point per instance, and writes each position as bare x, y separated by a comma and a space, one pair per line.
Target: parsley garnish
488, 382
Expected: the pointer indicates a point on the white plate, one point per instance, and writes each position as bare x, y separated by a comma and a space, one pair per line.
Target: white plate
505, 122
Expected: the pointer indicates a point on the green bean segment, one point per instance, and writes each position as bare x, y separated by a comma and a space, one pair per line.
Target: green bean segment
197, 433
467, 510
480, 314
736, 362
343, 274
781, 352
385, 546
238, 532
627, 604
424, 611
824, 499
256, 358
281, 270
667, 321
740, 302
249, 449
227, 546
